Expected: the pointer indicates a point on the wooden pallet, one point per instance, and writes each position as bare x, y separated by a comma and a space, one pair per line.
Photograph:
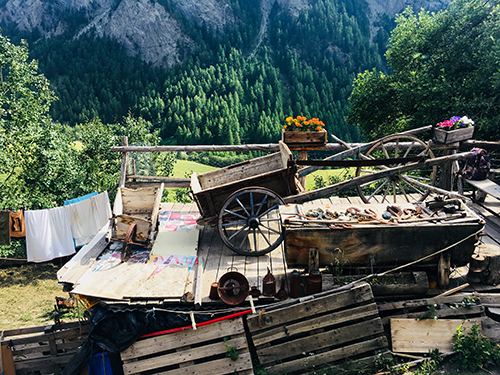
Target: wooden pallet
46, 348
320, 332
448, 307
201, 351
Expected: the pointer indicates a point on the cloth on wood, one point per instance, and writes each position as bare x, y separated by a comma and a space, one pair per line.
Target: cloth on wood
79, 199
88, 216
48, 234
4, 228
17, 226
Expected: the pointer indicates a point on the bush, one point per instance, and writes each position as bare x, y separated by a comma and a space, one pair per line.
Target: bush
16, 250
475, 351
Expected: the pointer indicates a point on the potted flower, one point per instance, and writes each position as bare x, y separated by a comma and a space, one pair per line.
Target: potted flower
454, 130
301, 131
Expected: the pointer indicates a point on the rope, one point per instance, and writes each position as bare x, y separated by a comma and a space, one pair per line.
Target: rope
419, 260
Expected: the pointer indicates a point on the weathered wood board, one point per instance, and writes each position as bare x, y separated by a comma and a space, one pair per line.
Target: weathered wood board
376, 243
84, 258
219, 259
201, 351
318, 333
46, 348
422, 336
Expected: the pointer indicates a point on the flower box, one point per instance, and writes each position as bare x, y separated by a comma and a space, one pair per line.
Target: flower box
304, 138
452, 136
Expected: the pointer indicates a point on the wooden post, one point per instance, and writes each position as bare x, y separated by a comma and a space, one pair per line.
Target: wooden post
444, 269
124, 167
313, 259
446, 175
303, 180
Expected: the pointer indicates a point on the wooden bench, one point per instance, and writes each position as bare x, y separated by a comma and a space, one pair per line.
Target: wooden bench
484, 187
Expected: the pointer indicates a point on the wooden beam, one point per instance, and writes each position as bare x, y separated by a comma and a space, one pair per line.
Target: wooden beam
178, 183
329, 190
124, 167
444, 269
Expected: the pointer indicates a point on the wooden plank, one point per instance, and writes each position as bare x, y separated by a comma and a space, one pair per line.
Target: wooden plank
449, 313
84, 258
45, 363
179, 357
421, 336
125, 164
312, 360
170, 341
241, 171
341, 336
112, 279
221, 367
7, 361
487, 186
210, 248
358, 294
341, 317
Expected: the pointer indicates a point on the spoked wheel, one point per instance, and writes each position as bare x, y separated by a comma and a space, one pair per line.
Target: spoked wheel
249, 221
128, 242
411, 184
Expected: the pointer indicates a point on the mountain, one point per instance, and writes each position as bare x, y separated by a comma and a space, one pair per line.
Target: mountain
246, 64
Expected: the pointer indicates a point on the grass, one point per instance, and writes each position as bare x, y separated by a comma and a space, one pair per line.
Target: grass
183, 167
27, 295
339, 172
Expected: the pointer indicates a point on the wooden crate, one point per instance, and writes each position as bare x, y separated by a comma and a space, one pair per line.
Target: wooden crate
201, 351
321, 332
46, 348
304, 138
457, 135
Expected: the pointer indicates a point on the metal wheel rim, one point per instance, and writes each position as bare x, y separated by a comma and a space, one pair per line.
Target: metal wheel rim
249, 222
404, 183
128, 242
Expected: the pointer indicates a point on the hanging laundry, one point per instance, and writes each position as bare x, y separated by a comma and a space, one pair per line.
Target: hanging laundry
4, 228
79, 199
48, 234
17, 227
102, 209
88, 216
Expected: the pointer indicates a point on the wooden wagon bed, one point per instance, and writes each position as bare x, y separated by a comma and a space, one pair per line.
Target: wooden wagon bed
210, 190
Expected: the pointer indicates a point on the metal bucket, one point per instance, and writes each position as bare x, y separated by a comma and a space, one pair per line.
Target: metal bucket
233, 288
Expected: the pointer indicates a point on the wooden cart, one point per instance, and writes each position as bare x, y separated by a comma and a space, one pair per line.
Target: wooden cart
243, 199
135, 215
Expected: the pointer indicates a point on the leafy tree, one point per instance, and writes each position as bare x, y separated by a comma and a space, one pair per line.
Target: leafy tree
443, 64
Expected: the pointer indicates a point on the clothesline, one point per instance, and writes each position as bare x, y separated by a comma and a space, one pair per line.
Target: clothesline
56, 232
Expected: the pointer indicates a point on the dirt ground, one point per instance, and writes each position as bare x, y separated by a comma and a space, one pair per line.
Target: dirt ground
27, 294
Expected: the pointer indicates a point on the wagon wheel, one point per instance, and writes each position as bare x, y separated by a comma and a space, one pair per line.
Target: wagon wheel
249, 221
128, 242
411, 182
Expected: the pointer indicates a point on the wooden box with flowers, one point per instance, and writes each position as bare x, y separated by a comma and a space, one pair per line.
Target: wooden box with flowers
301, 131
455, 129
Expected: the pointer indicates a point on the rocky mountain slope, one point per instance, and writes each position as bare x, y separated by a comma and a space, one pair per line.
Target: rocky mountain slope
158, 30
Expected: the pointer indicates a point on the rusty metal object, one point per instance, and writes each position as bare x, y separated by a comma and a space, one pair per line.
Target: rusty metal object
313, 283
295, 284
254, 291
233, 288
214, 294
282, 294
269, 284
128, 242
